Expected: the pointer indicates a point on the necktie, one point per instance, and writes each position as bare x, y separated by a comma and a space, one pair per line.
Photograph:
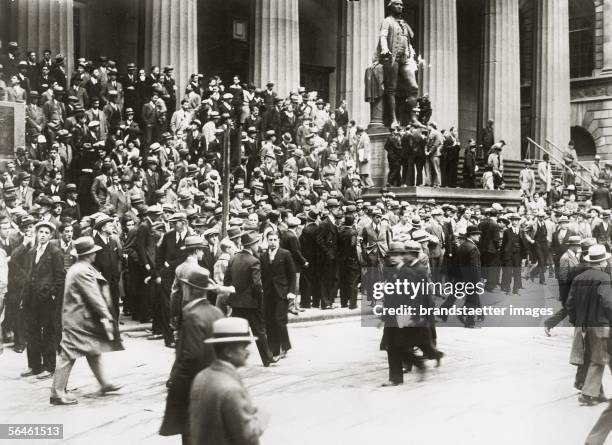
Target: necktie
39, 253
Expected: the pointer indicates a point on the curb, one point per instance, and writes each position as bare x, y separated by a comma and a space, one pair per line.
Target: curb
323, 315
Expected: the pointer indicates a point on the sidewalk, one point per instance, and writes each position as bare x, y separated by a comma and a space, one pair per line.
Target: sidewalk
129, 325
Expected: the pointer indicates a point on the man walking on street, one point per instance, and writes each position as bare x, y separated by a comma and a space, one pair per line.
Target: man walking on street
244, 273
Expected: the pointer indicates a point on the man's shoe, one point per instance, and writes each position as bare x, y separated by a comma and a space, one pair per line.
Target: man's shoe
587, 400
547, 331
155, 337
62, 401
44, 375
294, 312
387, 384
29, 372
19, 349
171, 345
275, 359
110, 388
300, 309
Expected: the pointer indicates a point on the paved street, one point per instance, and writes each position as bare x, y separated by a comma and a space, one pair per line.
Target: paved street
495, 386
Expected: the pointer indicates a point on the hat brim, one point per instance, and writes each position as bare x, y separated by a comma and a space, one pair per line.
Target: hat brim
236, 339
194, 247
98, 225
599, 260
94, 249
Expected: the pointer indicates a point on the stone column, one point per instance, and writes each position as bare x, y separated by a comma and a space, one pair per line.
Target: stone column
43, 24
439, 75
360, 25
501, 84
551, 78
171, 38
276, 55
607, 37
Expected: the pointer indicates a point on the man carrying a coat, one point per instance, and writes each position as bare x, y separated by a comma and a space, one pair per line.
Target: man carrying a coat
88, 326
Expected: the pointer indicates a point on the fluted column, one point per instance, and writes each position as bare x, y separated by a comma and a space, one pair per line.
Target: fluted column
607, 37
439, 76
501, 83
551, 79
43, 24
359, 37
171, 38
277, 45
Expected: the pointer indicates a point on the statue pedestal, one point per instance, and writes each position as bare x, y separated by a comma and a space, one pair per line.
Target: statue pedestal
378, 136
12, 128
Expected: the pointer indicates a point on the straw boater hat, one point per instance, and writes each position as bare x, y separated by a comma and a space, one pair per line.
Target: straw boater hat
395, 247
231, 330
597, 254
193, 242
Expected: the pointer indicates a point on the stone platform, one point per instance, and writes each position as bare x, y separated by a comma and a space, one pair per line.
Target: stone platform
450, 195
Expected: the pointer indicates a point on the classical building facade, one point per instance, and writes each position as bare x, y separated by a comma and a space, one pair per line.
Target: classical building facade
538, 68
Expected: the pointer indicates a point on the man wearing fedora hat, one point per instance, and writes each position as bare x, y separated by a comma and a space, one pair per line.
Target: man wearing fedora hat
602, 231
192, 353
468, 260
42, 299
512, 249
244, 273
108, 257
327, 243
568, 267
560, 240
589, 306
220, 408
88, 327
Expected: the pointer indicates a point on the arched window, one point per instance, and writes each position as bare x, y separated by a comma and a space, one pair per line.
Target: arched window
583, 142
582, 29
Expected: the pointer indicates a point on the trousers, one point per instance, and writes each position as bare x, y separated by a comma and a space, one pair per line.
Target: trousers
256, 322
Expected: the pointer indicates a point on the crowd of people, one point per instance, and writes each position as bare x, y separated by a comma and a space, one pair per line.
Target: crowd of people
114, 207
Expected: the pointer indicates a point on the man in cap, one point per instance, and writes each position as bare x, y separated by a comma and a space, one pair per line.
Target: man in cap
88, 327
42, 298
192, 353
220, 408
349, 268
512, 249
468, 261
602, 231
568, 267
108, 257
309, 288
590, 310
244, 273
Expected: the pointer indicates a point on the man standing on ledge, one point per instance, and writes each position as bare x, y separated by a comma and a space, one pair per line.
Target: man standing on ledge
397, 56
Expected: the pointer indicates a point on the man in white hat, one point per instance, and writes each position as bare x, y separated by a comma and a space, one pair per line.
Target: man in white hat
590, 310
88, 326
220, 408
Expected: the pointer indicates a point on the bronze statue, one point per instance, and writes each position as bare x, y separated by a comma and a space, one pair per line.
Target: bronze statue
396, 63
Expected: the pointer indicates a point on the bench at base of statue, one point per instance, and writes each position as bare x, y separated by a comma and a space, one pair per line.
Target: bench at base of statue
456, 196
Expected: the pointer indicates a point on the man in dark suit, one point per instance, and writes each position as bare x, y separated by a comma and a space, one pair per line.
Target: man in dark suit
560, 240
538, 238
244, 273
468, 260
511, 252
469, 166
489, 248
602, 231
279, 286
144, 266
348, 263
327, 243
192, 354
601, 195
290, 241
170, 254
108, 259
43, 294
212, 251
309, 289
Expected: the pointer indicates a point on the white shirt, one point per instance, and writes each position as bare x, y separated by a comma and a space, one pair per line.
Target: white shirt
272, 254
39, 251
